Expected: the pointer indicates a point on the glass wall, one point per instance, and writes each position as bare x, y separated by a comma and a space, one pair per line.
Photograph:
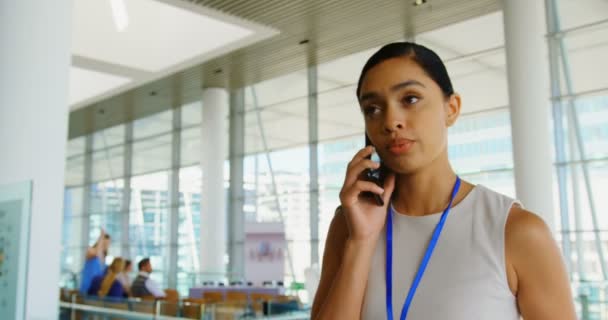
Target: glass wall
100, 174
277, 152
276, 166
580, 110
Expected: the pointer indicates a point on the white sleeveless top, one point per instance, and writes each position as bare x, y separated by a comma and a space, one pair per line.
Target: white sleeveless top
466, 277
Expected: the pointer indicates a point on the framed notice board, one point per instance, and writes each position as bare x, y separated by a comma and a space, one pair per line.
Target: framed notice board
15, 206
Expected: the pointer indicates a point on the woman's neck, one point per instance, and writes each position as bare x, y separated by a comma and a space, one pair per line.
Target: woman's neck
426, 191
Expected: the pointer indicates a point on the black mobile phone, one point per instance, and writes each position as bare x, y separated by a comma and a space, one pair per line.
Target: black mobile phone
374, 175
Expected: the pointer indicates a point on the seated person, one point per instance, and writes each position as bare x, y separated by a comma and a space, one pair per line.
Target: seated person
124, 278
107, 285
143, 285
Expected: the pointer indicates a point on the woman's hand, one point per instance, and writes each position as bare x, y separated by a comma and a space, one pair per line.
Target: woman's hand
102, 233
365, 219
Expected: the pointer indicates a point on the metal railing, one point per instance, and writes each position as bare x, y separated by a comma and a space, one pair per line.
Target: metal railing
93, 308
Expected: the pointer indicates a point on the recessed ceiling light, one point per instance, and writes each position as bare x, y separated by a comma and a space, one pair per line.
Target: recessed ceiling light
119, 12
419, 2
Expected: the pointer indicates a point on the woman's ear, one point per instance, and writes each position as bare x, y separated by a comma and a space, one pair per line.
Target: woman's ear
453, 104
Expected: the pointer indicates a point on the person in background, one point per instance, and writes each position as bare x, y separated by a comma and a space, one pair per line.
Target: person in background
124, 278
143, 285
94, 264
108, 285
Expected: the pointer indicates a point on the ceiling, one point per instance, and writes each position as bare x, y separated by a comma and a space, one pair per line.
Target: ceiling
118, 45
341, 35
333, 29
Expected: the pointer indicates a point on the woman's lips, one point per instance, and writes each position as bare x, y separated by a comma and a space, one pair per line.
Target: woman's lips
400, 146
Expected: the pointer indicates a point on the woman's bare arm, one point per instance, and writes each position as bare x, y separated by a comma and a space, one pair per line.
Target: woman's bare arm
541, 286
346, 264
351, 241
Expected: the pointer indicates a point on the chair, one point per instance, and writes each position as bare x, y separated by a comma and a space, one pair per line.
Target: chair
262, 296
169, 308
284, 298
144, 306
258, 299
66, 294
193, 308
63, 294
171, 295
236, 303
236, 296
229, 310
213, 296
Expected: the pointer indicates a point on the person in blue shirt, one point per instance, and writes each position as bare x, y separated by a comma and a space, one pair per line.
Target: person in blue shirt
108, 285
94, 265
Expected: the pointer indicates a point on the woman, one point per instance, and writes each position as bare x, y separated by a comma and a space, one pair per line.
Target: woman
94, 264
108, 284
124, 278
449, 249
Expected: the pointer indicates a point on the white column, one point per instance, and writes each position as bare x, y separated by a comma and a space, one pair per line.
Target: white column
313, 138
527, 72
236, 217
173, 237
34, 70
214, 138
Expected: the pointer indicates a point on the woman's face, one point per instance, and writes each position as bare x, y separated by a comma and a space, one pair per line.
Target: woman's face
406, 114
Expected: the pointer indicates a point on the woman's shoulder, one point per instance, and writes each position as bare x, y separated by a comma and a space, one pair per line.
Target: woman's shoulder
481, 192
525, 227
495, 205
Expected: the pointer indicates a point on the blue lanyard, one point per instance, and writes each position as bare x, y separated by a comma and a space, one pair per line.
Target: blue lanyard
423, 264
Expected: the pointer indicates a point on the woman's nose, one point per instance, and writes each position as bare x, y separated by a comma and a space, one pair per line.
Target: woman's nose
393, 121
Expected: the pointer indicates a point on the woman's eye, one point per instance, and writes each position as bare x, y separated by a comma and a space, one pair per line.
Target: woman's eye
371, 110
410, 99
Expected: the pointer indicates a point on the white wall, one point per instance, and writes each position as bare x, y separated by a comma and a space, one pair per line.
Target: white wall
34, 64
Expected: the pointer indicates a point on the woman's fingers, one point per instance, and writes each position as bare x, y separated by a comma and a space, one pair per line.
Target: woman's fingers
351, 195
360, 155
354, 172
